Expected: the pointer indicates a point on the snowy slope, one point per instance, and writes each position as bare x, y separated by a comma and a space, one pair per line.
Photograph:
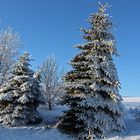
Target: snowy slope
44, 133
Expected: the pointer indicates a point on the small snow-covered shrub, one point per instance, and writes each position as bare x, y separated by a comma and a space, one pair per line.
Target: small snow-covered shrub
135, 112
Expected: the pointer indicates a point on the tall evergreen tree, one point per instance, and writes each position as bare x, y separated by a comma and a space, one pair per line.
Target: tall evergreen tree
20, 97
92, 86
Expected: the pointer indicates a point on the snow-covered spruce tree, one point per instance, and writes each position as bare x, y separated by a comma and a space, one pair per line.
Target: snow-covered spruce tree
20, 97
92, 86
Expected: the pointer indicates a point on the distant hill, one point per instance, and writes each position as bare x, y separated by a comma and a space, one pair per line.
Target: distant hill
131, 99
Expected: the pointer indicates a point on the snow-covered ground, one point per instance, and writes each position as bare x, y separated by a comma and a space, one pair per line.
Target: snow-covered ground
45, 132
32, 134
133, 127
42, 132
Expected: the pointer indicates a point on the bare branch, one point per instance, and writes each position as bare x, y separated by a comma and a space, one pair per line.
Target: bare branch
51, 80
9, 46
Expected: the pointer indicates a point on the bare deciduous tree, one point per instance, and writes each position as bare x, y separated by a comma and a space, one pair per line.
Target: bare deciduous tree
51, 80
9, 46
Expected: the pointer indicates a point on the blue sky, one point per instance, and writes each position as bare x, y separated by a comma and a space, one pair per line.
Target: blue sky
50, 27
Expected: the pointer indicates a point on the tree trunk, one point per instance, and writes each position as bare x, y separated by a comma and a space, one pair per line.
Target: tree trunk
50, 105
